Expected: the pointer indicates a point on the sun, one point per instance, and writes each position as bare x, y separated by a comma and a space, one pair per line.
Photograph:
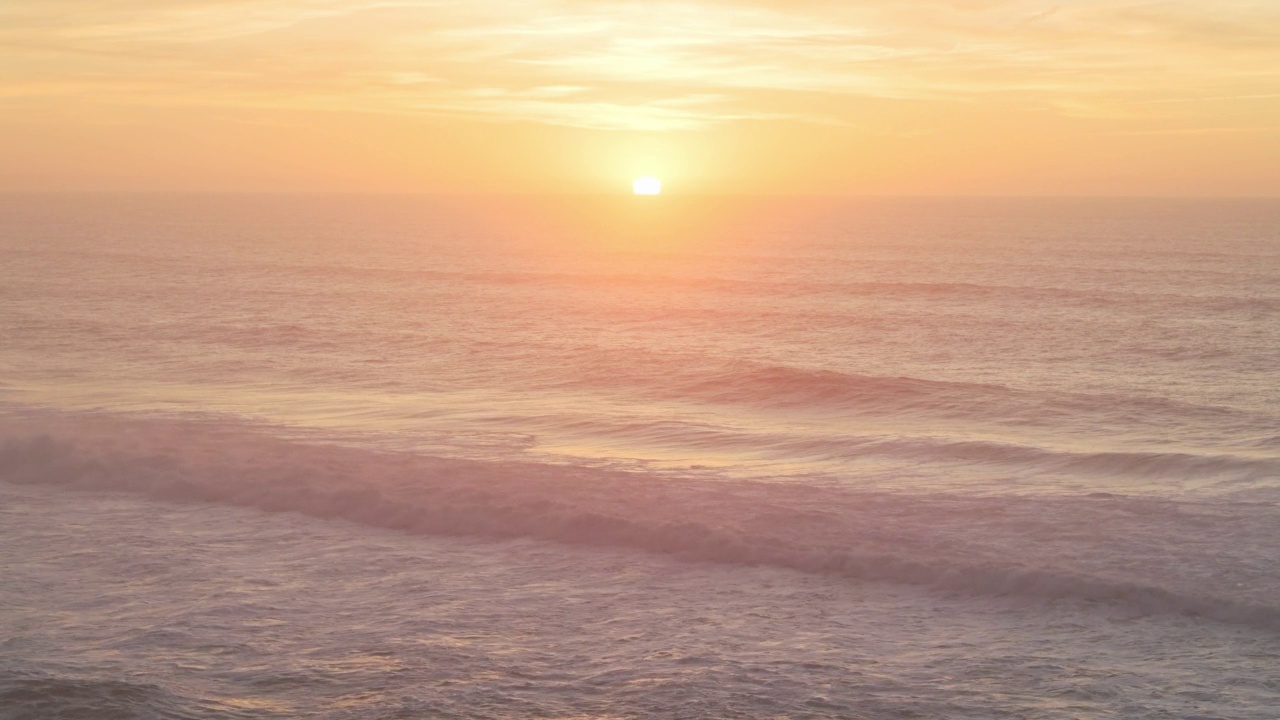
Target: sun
647, 185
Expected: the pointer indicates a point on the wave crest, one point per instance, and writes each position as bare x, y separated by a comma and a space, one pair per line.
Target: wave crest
979, 545
40, 695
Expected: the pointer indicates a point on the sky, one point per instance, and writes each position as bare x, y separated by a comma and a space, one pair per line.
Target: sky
860, 97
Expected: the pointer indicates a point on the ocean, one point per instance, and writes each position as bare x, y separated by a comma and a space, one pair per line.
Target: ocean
586, 457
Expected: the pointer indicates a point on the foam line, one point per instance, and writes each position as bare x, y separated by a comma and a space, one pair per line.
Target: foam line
951, 544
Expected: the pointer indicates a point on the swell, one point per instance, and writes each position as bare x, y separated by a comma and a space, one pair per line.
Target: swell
1150, 465
1152, 557
413, 362
766, 387
26, 694
328, 278
1199, 470
806, 285
789, 386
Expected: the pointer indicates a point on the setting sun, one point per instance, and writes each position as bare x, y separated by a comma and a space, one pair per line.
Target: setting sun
647, 186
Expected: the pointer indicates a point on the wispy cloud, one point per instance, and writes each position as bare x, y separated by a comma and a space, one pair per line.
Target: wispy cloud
673, 64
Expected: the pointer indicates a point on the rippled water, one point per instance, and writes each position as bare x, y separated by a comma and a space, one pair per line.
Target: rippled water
514, 457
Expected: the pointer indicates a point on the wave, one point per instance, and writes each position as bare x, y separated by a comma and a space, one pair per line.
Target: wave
783, 387
1001, 294
26, 695
630, 435
1151, 465
1149, 556
790, 386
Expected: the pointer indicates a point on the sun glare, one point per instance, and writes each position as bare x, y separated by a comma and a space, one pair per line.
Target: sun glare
647, 186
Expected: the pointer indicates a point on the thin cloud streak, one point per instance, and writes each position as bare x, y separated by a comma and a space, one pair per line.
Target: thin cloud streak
320, 53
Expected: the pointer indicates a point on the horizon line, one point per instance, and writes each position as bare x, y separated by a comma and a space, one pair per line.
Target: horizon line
658, 198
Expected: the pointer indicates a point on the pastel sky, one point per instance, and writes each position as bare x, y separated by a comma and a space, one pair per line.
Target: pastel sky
967, 97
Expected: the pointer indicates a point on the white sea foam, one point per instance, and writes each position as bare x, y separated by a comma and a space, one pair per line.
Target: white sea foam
117, 604
1152, 556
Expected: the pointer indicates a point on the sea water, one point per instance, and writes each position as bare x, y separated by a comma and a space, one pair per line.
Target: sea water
373, 457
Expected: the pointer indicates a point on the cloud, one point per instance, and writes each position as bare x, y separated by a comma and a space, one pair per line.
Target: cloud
637, 65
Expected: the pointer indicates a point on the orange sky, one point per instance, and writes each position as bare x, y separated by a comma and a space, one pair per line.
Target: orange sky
968, 97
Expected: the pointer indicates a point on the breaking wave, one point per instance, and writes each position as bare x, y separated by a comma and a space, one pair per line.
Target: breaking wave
1104, 548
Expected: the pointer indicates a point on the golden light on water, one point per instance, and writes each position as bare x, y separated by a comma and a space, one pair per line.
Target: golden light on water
647, 186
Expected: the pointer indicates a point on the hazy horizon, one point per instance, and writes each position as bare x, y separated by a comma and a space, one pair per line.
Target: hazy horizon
947, 97
666, 195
